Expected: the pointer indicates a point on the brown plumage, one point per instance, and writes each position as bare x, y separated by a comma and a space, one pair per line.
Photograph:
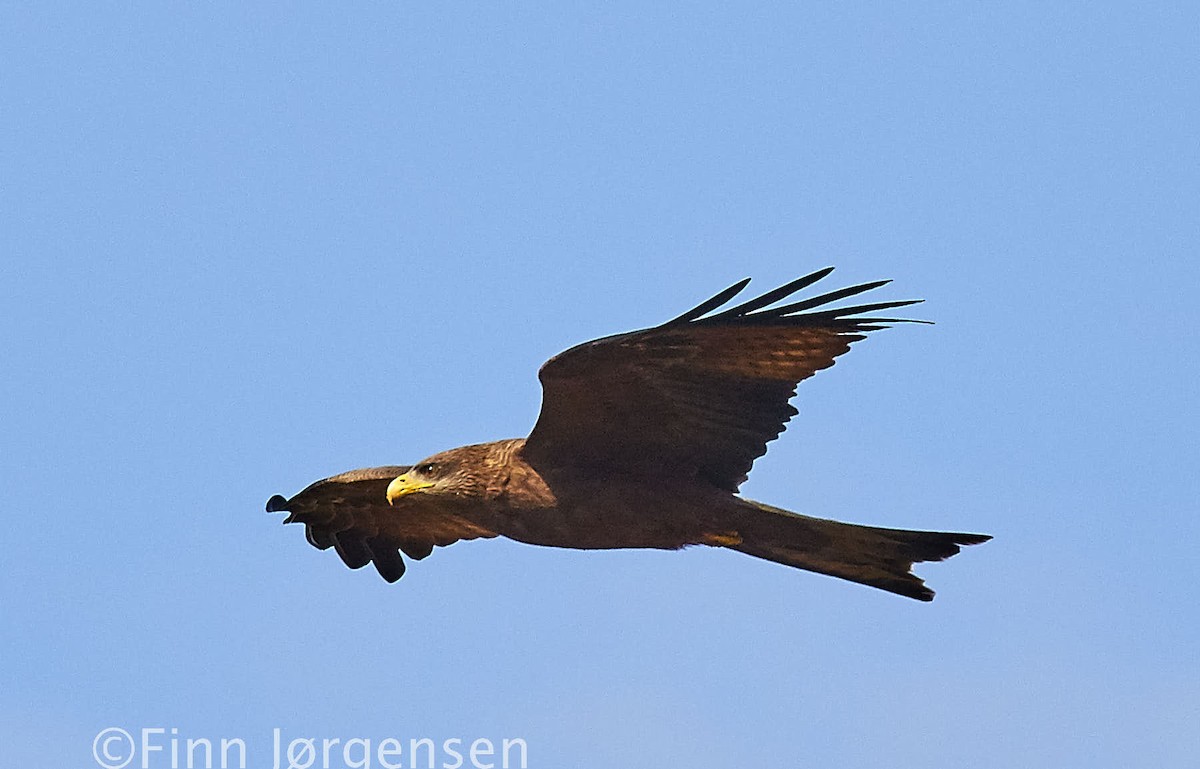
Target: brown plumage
642, 441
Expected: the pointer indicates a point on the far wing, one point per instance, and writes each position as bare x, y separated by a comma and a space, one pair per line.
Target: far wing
350, 513
700, 395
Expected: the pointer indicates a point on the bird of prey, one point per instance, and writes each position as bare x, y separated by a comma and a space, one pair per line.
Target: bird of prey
642, 441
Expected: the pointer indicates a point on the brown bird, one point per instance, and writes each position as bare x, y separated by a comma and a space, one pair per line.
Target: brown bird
642, 441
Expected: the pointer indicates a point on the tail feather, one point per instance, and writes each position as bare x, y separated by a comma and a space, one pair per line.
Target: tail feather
881, 558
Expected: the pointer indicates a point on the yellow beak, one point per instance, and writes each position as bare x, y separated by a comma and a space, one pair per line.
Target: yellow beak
403, 485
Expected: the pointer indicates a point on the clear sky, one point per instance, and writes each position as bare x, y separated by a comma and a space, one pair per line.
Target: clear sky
245, 246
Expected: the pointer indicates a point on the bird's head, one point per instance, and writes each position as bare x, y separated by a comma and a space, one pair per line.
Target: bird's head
458, 474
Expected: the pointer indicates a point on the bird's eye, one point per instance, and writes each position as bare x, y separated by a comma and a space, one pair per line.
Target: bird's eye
427, 468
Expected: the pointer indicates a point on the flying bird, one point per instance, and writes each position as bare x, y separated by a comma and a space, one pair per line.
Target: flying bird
642, 442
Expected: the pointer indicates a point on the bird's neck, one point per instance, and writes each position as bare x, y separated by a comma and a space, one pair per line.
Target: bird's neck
512, 483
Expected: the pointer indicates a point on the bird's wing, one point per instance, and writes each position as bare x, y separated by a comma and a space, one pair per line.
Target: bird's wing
350, 513
701, 394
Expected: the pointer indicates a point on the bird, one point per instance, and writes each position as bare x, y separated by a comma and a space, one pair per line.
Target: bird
642, 441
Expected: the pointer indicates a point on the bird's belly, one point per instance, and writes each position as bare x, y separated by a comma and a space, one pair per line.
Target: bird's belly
603, 515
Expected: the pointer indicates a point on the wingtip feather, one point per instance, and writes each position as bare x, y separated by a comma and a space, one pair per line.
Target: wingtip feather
710, 304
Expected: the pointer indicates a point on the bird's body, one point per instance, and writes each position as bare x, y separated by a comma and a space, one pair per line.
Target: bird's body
642, 442
581, 507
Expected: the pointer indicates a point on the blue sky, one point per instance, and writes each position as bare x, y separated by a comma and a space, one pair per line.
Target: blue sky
249, 246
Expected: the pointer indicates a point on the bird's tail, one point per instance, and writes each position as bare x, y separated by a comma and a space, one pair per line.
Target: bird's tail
881, 558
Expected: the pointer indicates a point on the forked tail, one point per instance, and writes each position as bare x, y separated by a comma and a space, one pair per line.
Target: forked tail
881, 558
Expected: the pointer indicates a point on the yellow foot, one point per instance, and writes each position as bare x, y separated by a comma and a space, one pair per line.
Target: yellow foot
723, 539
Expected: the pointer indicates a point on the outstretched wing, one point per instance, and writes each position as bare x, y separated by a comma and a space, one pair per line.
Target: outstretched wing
350, 513
701, 394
